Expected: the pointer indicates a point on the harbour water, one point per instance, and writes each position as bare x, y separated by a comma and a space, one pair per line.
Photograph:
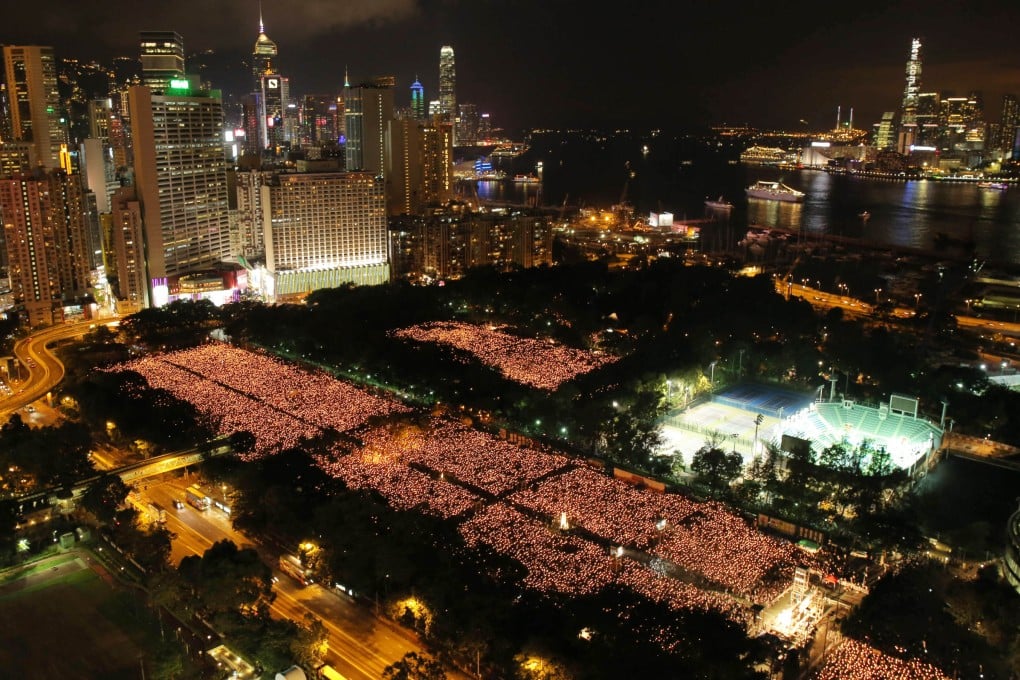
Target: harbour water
679, 175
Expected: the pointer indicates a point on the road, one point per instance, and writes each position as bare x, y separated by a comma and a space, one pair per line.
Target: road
361, 645
44, 369
854, 306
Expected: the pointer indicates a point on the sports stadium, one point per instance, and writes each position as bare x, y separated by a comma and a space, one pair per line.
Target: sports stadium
745, 417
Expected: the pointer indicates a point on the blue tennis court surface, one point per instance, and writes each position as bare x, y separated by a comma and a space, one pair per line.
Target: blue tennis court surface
764, 399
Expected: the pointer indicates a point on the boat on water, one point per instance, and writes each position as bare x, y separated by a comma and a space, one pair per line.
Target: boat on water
993, 185
720, 204
526, 179
508, 150
865, 216
774, 191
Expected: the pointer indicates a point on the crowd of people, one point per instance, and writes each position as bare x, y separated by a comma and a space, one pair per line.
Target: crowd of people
704, 538
556, 562
604, 506
279, 404
516, 501
540, 363
229, 411
403, 487
854, 660
313, 396
677, 594
725, 549
472, 456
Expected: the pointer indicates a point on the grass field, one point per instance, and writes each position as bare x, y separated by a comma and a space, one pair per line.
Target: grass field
63, 621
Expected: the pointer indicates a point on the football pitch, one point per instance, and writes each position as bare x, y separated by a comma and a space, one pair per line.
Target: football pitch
62, 620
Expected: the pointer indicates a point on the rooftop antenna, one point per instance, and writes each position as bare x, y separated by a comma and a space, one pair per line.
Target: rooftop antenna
262, 27
347, 81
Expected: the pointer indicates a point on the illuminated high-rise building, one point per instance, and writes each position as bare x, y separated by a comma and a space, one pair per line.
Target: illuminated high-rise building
447, 85
126, 235
420, 158
953, 118
34, 102
263, 55
319, 120
908, 108
927, 119
181, 182
324, 229
885, 134
467, 124
250, 241
368, 110
417, 100
275, 95
162, 55
47, 236
1007, 127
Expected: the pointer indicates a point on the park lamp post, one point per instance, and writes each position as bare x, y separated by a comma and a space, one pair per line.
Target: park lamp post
758, 419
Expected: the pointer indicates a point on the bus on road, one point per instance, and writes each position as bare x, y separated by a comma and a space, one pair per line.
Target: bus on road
291, 566
196, 497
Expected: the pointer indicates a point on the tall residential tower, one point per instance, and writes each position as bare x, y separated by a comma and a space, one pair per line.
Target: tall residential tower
31, 74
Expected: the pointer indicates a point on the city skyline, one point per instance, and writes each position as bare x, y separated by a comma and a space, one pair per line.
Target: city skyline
665, 66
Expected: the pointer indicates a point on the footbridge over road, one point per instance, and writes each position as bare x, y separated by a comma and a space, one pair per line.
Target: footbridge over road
39, 506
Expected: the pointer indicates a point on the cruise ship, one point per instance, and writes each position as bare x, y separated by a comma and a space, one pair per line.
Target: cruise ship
774, 191
509, 150
766, 155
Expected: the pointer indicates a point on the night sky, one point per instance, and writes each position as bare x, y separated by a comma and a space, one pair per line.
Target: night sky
556, 63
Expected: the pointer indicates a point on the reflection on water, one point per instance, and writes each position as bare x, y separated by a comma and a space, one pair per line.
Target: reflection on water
903, 213
785, 214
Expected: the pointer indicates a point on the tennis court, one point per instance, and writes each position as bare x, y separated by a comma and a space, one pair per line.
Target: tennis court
729, 419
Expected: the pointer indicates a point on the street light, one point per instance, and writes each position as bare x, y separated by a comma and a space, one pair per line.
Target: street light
917, 300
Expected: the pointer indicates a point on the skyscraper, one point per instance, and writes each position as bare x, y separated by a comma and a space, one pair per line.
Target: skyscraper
417, 100
447, 85
275, 95
1007, 128
181, 182
420, 159
263, 55
368, 109
125, 238
46, 229
162, 55
31, 74
908, 109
